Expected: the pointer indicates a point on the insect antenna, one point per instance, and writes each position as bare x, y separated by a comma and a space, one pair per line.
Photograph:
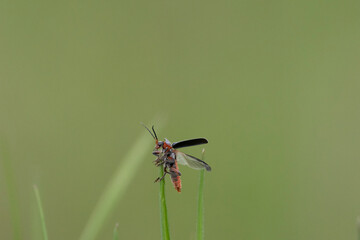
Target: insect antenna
149, 130
154, 132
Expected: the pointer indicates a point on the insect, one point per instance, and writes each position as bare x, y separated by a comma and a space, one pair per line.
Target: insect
168, 157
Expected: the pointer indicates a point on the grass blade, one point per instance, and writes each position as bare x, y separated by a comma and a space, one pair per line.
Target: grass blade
116, 232
41, 212
358, 227
117, 186
11, 189
165, 234
200, 215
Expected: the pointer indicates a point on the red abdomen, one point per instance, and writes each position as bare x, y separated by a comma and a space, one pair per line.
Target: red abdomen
177, 183
175, 177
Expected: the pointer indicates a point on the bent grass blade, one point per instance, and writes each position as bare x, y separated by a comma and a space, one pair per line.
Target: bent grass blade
41, 212
117, 186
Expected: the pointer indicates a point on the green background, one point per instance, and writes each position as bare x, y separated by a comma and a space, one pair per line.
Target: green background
273, 85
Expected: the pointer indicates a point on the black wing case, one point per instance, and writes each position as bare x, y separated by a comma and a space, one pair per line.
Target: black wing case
190, 142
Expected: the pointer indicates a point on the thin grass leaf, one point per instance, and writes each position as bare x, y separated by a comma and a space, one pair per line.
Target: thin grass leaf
165, 234
116, 232
117, 186
200, 215
41, 212
34, 222
11, 190
358, 227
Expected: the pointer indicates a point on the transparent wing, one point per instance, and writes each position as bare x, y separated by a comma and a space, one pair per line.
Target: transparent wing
191, 161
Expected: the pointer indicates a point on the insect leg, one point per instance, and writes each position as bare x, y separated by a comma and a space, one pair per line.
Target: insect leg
159, 162
159, 179
156, 153
161, 158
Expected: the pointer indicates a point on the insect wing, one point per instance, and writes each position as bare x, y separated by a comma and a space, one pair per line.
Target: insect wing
191, 161
190, 142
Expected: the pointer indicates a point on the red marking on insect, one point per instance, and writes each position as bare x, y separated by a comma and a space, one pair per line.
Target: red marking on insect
175, 176
168, 157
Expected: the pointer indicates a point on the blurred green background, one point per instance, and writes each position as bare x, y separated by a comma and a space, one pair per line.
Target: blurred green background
273, 85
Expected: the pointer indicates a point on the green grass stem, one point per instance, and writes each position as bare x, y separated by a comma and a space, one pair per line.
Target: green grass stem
8, 173
41, 212
116, 232
117, 186
200, 214
165, 234
358, 227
